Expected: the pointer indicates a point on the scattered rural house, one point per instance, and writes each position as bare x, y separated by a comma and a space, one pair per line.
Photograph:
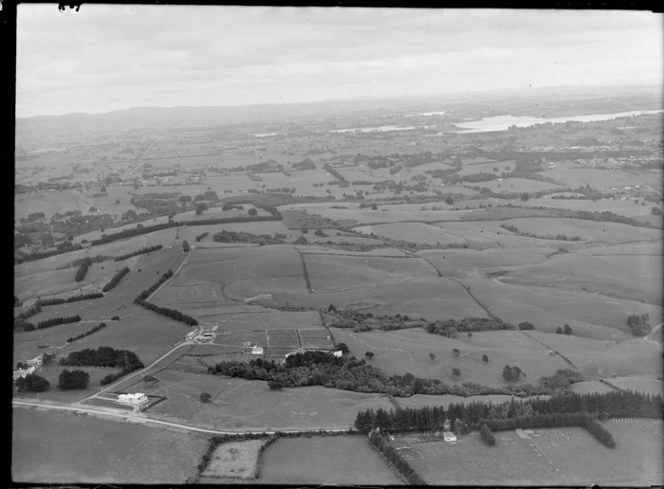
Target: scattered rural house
190, 336
22, 372
133, 399
338, 354
257, 350
448, 436
36, 362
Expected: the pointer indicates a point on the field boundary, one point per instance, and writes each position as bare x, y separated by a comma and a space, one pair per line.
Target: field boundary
551, 349
306, 273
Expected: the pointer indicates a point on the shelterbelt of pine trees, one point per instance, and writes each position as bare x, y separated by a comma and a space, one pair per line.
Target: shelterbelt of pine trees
48, 323
81, 297
164, 311
146, 249
116, 278
567, 409
105, 356
87, 333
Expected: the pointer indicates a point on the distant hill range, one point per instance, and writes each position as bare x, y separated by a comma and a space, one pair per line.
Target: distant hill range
549, 101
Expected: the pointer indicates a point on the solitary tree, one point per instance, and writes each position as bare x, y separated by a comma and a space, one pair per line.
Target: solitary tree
274, 385
456, 373
567, 330
485, 359
205, 397
559, 330
432, 356
343, 347
525, 196
369, 355
252, 212
487, 435
456, 352
449, 200
656, 211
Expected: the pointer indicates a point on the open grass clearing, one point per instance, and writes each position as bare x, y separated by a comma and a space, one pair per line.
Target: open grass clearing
637, 277
597, 359
588, 314
329, 273
243, 405
235, 460
82, 449
347, 460
639, 383
399, 352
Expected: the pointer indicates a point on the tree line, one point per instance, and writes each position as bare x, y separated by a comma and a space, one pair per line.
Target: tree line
130, 233
382, 445
116, 278
35, 309
60, 300
568, 409
145, 249
87, 333
164, 311
48, 323
82, 271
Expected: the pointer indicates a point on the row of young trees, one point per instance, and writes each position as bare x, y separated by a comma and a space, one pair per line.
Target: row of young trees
87, 333
380, 443
146, 249
48, 323
164, 311
116, 278
146, 293
82, 270
59, 300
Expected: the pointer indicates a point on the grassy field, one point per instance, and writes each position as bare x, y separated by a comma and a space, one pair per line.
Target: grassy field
242, 405
236, 460
633, 276
560, 456
82, 449
588, 314
398, 352
325, 460
639, 383
604, 359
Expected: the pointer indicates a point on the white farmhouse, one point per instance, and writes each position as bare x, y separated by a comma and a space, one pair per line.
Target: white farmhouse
257, 350
133, 399
22, 372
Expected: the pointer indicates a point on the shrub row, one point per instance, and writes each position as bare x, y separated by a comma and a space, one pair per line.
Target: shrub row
116, 278
146, 293
89, 332
48, 323
334, 172
405, 469
201, 236
146, 249
81, 297
35, 309
80, 273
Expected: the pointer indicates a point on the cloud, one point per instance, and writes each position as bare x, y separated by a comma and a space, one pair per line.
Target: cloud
120, 56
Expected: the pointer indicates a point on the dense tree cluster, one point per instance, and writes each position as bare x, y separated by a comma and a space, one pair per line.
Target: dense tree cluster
82, 270
146, 249
487, 435
366, 321
73, 379
450, 326
640, 325
105, 356
242, 237
557, 237
44, 254
116, 278
32, 383
74, 298
381, 444
185, 246
23, 325
48, 323
525, 326
512, 374
88, 332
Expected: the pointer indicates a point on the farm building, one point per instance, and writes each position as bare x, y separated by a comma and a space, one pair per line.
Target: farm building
448, 436
133, 399
338, 354
22, 372
36, 362
257, 350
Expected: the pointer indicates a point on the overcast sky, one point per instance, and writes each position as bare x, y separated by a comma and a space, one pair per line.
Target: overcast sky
106, 58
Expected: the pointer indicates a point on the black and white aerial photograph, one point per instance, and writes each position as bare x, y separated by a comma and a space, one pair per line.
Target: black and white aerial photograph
355, 246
